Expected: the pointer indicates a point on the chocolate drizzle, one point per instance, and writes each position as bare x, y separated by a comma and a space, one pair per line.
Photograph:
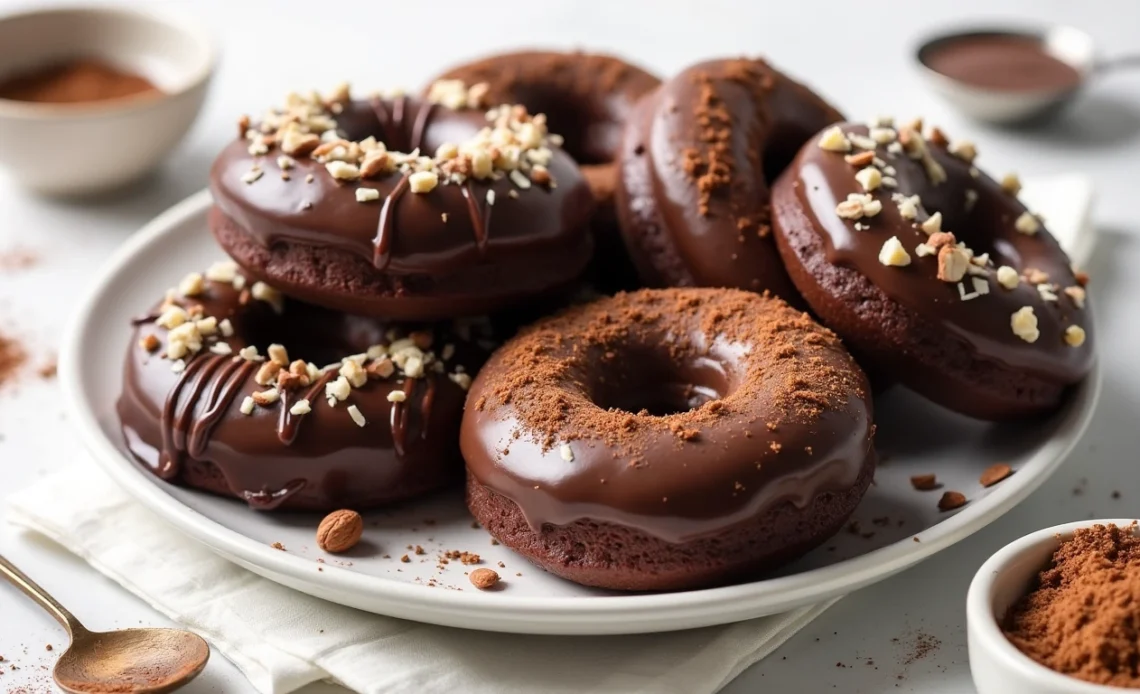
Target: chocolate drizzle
386, 229
480, 220
187, 427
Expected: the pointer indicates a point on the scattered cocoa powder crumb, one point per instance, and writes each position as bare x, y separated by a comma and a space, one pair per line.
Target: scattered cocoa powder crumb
405, 558
1081, 618
48, 647
419, 550
48, 369
924, 644
484, 579
1115, 494
17, 259
951, 501
924, 483
278, 545
12, 359
994, 474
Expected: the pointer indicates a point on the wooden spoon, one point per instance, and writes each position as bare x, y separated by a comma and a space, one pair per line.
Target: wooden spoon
128, 661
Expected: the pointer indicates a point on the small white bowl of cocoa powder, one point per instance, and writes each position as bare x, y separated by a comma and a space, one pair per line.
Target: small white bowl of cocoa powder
1058, 612
92, 98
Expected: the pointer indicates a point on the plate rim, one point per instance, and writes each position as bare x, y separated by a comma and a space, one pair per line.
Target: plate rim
637, 613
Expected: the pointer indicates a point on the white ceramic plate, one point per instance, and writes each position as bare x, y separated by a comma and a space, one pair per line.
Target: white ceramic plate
896, 525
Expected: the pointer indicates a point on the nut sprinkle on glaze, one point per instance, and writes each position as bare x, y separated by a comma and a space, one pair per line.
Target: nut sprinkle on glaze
395, 196
270, 426
950, 258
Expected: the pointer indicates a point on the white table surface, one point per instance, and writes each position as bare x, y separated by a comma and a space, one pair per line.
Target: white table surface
857, 54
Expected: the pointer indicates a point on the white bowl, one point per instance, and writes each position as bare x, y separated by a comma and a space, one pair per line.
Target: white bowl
1067, 44
997, 666
74, 149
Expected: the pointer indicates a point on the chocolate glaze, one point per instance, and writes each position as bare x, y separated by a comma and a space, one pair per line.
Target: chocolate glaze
682, 226
744, 450
1001, 62
443, 239
187, 428
818, 180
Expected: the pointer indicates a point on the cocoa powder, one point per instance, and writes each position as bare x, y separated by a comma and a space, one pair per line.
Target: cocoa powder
12, 359
1083, 617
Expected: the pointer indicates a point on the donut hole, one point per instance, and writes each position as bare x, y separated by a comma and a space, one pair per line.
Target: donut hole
781, 148
647, 381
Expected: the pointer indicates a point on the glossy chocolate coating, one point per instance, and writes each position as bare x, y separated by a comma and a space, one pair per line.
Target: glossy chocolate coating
739, 119
705, 438
187, 428
975, 332
418, 254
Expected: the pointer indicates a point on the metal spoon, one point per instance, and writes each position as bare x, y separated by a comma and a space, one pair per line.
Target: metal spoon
129, 661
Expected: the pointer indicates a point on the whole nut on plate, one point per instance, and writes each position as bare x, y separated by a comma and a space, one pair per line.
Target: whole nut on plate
340, 531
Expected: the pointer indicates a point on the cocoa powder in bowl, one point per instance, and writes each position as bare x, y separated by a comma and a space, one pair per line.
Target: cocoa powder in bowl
1083, 617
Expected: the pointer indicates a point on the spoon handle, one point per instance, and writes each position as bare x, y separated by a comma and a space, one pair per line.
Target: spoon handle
1120, 62
35, 592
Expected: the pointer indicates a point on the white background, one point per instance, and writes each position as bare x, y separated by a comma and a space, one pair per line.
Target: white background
857, 54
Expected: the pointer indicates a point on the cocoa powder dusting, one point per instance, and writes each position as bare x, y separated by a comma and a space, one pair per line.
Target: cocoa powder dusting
559, 364
12, 359
1082, 618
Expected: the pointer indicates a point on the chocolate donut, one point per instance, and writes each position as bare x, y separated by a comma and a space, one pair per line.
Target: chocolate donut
668, 439
697, 159
331, 201
931, 271
211, 398
588, 98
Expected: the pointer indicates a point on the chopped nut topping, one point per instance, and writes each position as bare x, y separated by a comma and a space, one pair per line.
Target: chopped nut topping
1011, 184
251, 176
266, 397
941, 238
191, 285
1047, 292
343, 171
1024, 324
964, 150
397, 396
908, 206
952, 263
937, 137
178, 366
221, 348
461, 379
857, 206
1035, 276
893, 253
870, 178
222, 271
423, 181
566, 452
883, 135
981, 285
300, 407
338, 390
971, 199
1077, 294
226, 328
247, 405
266, 373
367, 194
263, 292
1027, 224
1007, 277
150, 343
250, 354
861, 141
924, 249
357, 415
1074, 336
860, 159
833, 140
933, 223
172, 317
278, 354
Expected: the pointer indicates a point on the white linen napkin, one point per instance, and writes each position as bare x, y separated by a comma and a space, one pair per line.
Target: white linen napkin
282, 640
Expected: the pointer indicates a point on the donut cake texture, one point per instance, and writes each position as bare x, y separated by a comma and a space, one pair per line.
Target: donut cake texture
668, 439
338, 411
931, 271
414, 209
696, 163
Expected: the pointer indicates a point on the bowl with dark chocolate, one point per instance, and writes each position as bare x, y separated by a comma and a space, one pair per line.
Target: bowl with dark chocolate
1007, 75
94, 98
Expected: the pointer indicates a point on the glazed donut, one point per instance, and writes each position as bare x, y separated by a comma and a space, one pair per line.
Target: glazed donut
588, 98
931, 271
332, 201
698, 156
668, 439
211, 398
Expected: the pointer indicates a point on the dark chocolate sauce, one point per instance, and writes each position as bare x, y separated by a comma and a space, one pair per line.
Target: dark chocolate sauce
1002, 63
